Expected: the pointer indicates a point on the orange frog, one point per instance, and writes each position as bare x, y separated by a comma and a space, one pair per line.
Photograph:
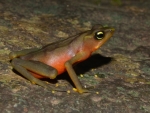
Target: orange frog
55, 58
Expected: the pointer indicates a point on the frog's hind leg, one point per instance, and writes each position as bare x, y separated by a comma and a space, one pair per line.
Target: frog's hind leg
22, 66
16, 54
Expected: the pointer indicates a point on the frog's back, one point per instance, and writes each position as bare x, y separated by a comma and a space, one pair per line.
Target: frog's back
48, 49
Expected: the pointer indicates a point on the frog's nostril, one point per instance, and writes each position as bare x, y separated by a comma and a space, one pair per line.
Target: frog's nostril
112, 30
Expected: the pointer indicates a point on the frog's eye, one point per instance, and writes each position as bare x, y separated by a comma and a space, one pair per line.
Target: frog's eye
99, 35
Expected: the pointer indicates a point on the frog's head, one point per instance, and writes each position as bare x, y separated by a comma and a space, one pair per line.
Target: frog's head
97, 36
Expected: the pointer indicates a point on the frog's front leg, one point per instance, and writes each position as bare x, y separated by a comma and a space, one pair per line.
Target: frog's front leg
25, 66
72, 73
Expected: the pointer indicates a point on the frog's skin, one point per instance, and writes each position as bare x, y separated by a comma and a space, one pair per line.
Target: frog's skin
55, 58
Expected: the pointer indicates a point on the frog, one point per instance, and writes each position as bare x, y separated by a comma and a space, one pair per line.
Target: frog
55, 58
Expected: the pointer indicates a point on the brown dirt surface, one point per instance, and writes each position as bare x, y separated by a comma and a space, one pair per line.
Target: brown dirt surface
119, 70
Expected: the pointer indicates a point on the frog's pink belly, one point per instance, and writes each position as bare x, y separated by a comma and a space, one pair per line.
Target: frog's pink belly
58, 63
56, 60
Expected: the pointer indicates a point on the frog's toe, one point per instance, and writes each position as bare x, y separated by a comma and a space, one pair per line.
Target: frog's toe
84, 90
88, 90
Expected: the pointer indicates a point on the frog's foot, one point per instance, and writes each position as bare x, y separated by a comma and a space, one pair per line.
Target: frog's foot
87, 90
84, 91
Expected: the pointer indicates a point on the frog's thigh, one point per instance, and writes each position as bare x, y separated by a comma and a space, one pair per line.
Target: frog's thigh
36, 67
26, 73
16, 54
